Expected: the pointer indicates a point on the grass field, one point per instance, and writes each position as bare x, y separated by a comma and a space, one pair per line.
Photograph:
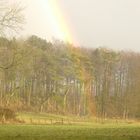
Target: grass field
33, 118
70, 132
50, 127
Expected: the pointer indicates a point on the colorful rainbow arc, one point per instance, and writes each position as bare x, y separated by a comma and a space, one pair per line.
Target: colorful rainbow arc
61, 29
59, 23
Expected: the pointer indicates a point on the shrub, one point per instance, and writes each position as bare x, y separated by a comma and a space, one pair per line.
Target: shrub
7, 114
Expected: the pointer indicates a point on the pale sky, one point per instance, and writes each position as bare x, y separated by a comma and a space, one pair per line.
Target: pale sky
111, 23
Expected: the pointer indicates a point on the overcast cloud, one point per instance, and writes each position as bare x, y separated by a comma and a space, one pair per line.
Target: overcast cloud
111, 23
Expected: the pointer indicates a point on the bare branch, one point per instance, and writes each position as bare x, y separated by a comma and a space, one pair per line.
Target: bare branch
11, 18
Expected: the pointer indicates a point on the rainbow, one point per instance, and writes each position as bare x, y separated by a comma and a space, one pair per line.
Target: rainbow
62, 30
59, 25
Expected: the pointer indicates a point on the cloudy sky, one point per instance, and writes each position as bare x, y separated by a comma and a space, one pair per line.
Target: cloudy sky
93, 23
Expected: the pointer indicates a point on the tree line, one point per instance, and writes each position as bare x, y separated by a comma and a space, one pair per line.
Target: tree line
57, 77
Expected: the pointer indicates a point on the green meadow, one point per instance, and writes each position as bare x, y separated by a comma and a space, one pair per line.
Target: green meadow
50, 127
70, 132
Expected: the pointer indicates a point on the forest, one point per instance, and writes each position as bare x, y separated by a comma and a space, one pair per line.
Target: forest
56, 77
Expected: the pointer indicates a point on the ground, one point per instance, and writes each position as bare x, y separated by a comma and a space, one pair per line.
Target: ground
51, 128
70, 132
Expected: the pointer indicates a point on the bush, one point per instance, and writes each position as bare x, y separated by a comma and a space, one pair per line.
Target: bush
7, 114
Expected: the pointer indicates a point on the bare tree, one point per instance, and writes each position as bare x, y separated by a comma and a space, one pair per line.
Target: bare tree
11, 17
